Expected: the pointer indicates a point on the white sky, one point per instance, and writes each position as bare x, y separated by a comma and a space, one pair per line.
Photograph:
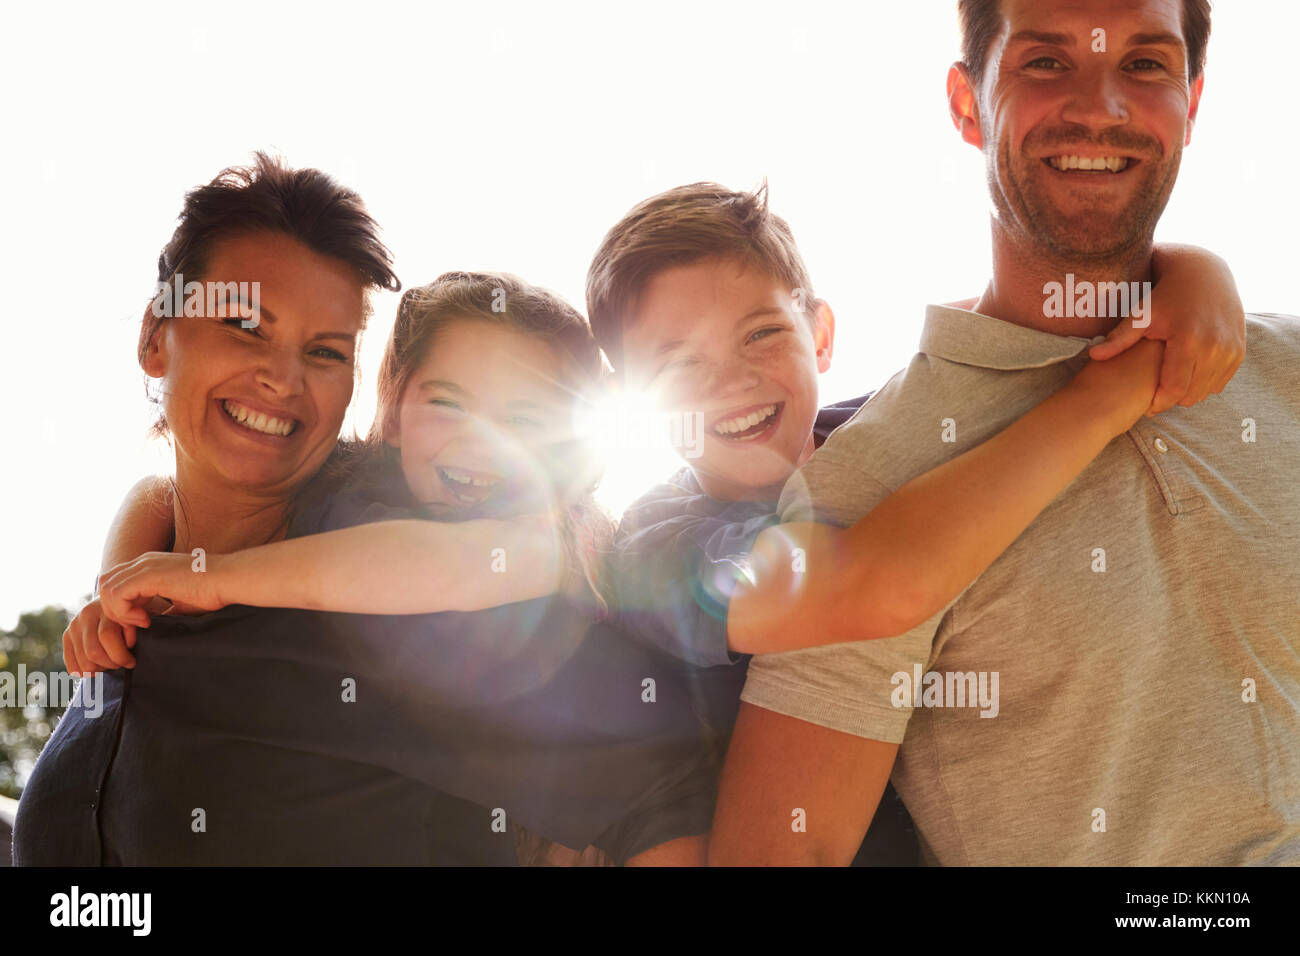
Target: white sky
511, 136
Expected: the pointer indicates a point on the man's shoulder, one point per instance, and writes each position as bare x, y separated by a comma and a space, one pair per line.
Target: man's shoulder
1274, 328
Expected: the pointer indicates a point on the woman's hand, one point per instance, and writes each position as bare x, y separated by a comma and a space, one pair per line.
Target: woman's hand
1195, 308
1124, 388
126, 589
92, 642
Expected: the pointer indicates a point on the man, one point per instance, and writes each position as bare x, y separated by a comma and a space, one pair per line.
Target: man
1144, 632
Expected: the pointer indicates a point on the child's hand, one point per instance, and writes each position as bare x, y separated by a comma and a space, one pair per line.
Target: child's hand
1195, 308
92, 642
125, 589
1124, 387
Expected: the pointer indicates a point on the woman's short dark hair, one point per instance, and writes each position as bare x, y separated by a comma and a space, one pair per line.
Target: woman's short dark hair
306, 205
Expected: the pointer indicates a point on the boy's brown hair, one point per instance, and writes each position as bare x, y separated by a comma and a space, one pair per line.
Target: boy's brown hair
679, 227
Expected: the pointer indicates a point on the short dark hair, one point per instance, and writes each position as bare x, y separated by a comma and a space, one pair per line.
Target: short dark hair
304, 204
982, 19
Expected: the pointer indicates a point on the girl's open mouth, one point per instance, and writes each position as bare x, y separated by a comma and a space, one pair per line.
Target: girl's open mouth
465, 486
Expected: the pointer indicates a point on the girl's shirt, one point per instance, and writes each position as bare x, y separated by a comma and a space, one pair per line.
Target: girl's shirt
262, 735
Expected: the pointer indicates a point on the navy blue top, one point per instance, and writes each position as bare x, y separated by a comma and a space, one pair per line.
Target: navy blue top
672, 567
671, 573
530, 709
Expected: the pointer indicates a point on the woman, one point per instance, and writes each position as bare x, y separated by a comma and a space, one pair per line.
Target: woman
267, 735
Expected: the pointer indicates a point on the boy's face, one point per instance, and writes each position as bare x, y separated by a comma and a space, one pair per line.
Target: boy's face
725, 339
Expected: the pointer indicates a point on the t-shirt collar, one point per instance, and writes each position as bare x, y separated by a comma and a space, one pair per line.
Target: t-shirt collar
970, 338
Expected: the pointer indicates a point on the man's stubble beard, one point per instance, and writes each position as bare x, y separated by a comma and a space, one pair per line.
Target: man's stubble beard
1093, 240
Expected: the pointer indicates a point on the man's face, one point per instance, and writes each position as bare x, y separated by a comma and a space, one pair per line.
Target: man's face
725, 339
1083, 143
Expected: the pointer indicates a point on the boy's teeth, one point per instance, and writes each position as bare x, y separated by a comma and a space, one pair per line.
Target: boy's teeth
1112, 164
740, 424
257, 421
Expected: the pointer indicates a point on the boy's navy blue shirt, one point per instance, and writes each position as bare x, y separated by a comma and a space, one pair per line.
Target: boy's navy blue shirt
671, 570
674, 559
279, 736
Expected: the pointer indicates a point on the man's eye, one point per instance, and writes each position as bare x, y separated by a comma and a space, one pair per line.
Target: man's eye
1153, 64
239, 324
333, 354
765, 333
1049, 63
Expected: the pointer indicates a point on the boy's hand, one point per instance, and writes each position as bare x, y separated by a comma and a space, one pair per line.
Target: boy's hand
1195, 308
1124, 387
127, 588
92, 642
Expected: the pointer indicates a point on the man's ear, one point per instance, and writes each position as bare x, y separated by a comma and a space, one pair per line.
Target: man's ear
824, 335
963, 105
1193, 104
154, 361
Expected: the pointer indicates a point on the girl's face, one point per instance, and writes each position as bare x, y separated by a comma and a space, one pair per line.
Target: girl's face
478, 415
259, 409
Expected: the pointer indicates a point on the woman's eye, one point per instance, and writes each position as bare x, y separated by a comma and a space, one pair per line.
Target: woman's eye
524, 421
444, 403
333, 354
764, 333
238, 323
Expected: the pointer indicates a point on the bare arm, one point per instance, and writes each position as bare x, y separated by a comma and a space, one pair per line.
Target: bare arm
919, 548
794, 793
388, 567
684, 851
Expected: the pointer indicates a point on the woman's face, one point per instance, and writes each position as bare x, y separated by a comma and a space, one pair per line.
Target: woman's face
478, 415
259, 409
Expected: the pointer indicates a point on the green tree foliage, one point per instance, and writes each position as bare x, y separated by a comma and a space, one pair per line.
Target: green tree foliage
37, 644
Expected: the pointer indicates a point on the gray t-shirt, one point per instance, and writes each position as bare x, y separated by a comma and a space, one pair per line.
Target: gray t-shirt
1122, 686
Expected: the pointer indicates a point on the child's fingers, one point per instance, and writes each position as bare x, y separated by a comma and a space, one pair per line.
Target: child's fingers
1175, 378
1119, 340
118, 597
70, 663
113, 643
89, 652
